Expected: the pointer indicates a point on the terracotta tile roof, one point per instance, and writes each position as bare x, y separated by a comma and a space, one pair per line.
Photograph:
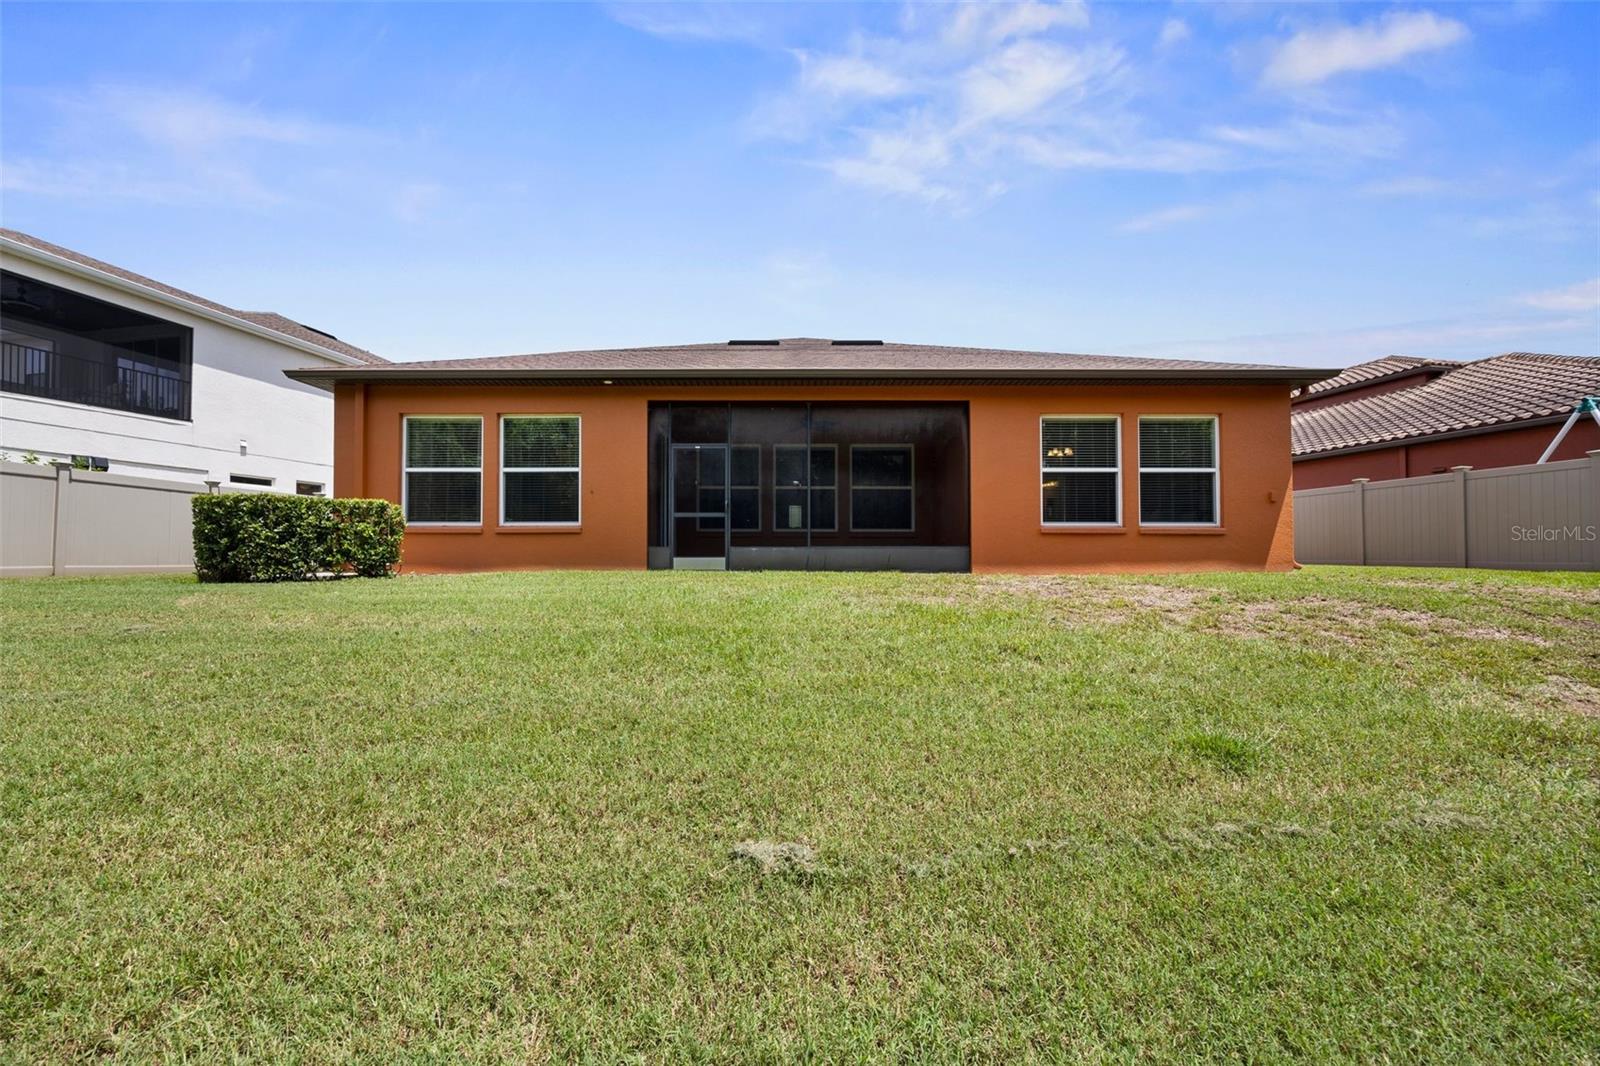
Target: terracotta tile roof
265, 319
812, 358
1514, 387
1375, 370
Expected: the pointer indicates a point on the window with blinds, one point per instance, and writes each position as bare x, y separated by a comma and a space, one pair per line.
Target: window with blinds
1079, 471
1178, 471
540, 475
443, 462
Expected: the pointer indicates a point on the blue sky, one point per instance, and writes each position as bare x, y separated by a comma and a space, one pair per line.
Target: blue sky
1313, 184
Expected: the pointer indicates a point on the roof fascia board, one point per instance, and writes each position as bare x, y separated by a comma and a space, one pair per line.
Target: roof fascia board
399, 373
1428, 438
82, 270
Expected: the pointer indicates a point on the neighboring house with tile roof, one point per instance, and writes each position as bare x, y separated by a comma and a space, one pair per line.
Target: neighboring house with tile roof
807, 453
96, 360
1389, 374
1501, 411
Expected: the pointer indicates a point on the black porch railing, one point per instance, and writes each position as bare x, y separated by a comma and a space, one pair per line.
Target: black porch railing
58, 376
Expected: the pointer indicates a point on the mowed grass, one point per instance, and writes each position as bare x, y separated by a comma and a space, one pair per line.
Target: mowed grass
1336, 814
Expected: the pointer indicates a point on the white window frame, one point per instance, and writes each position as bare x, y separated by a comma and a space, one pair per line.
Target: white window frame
808, 488
910, 489
407, 469
1215, 470
504, 470
1045, 470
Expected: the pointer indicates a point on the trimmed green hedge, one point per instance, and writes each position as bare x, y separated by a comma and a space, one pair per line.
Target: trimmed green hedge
270, 536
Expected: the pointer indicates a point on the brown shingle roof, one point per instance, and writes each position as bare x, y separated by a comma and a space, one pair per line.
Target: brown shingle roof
265, 319
812, 359
1375, 370
1514, 387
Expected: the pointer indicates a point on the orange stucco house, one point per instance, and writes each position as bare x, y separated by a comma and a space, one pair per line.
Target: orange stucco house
818, 454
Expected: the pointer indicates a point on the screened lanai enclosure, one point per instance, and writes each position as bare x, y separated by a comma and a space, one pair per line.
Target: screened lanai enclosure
809, 486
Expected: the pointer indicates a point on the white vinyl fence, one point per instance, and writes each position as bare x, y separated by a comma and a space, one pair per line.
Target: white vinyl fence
1536, 517
57, 520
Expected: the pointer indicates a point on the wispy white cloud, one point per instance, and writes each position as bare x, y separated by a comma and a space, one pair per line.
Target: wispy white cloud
951, 106
1174, 32
1373, 136
696, 21
1579, 296
1468, 337
1407, 186
1165, 218
958, 103
160, 144
190, 121
1315, 55
102, 181
416, 200
847, 75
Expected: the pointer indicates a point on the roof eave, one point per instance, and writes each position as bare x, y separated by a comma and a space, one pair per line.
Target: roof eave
83, 270
1395, 375
1449, 434
1288, 377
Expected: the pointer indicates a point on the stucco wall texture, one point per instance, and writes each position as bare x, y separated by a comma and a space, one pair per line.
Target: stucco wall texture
1256, 531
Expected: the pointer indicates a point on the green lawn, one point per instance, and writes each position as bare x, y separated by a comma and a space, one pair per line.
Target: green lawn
1338, 814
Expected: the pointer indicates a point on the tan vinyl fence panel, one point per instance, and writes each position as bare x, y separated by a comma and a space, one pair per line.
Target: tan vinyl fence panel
1535, 517
27, 520
61, 521
1414, 522
1327, 525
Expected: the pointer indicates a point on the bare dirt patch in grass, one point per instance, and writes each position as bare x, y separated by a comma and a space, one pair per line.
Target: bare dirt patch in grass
776, 857
1571, 695
1349, 622
1090, 601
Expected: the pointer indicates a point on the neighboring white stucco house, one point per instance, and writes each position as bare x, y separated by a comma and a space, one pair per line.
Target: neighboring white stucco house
98, 361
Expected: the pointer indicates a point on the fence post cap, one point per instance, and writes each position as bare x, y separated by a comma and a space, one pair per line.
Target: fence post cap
1595, 454
1359, 480
1453, 469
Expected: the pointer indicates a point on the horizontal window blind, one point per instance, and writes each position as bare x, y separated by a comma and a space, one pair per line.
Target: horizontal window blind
443, 470
1078, 468
1178, 471
540, 470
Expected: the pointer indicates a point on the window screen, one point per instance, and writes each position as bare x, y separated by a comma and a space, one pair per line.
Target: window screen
443, 470
539, 469
797, 507
744, 487
881, 493
1178, 471
1078, 465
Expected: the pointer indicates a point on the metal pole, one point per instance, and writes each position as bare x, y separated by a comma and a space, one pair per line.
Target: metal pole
1590, 404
